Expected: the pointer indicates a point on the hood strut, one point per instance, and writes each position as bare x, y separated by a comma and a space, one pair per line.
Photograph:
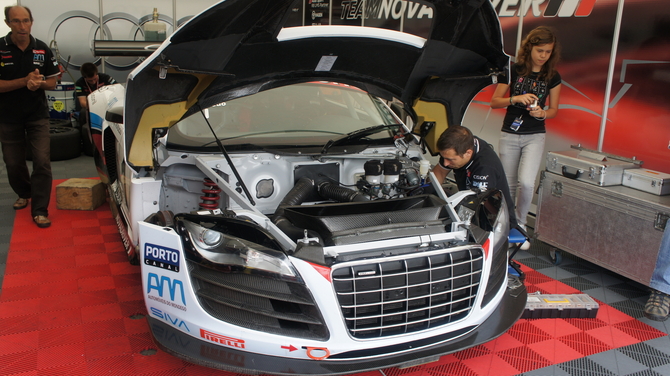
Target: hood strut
225, 154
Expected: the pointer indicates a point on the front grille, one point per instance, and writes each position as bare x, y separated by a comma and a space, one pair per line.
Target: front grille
257, 302
406, 294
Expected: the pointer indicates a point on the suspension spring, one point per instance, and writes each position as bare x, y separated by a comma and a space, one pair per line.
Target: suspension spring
211, 198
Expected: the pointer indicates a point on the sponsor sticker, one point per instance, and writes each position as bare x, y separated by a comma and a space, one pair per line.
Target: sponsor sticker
221, 339
161, 257
170, 287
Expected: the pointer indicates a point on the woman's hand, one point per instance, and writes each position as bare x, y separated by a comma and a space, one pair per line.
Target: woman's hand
524, 99
537, 112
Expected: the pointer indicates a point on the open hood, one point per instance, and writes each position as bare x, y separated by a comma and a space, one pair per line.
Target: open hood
441, 51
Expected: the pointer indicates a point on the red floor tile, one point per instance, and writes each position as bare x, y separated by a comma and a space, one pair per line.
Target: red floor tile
73, 305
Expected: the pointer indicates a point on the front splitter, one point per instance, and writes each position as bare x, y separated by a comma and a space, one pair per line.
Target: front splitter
211, 355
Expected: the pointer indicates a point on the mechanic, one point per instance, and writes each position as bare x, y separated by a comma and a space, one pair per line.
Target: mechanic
89, 82
27, 69
658, 304
474, 163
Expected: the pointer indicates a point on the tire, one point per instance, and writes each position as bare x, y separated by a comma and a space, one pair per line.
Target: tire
86, 141
60, 123
65, 144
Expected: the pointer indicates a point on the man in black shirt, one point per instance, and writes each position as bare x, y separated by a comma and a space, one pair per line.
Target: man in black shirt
27, 68
89, 82
474, 162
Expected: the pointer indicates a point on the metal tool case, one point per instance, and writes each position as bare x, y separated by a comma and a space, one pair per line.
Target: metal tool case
589, 166
618, 228
654, 182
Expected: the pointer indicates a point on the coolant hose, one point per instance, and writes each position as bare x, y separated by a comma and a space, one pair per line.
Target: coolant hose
332, 191
300, 191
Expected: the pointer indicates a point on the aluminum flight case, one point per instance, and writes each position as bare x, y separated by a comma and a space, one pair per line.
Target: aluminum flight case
589, 166
617, 227
654, 182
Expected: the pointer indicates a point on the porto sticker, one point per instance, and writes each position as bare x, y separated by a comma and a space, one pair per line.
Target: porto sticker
161, 257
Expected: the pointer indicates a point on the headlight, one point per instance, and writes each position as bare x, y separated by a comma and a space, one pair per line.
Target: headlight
222, 249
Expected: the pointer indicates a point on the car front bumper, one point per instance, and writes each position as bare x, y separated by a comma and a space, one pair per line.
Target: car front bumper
210, 355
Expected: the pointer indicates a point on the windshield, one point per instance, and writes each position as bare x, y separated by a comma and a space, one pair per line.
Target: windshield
302, 114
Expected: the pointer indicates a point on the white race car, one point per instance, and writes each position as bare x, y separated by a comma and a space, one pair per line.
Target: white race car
263, 174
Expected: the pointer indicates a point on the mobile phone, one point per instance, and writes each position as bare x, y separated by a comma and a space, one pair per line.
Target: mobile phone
532, 106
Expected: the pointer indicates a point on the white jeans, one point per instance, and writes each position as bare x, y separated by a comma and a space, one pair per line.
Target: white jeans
521, 157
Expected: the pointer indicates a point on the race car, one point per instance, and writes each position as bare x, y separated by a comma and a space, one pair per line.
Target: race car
268, 168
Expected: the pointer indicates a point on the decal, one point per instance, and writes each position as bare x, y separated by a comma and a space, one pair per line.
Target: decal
38, 57
177, 338
323, 270
173, 285
553, 8
289, 348
317, 353
219, 354
125, 238
385, 9
221, 339
319, 4
161, 257
58, 106
325, 63
175, 321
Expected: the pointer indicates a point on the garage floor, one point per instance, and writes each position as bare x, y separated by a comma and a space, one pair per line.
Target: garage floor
618, 342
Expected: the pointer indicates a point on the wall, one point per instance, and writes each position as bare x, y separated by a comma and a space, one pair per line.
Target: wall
624, 113
70, 26
634, 119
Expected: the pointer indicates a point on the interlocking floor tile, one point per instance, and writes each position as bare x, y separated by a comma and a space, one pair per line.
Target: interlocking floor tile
75, 306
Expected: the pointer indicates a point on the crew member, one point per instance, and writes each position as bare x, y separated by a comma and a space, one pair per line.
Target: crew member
474, 162
27, 69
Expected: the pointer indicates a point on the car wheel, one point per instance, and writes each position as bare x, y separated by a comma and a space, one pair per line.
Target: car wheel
65, 144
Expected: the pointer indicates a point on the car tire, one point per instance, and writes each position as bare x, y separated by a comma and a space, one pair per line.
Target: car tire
60, 123
86, 140
65, 144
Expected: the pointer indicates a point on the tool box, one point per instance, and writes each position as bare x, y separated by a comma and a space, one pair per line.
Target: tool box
616, 227
552, 306
589, 166
654, 182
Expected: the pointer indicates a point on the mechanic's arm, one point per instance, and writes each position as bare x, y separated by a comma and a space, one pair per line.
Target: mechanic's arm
440, 172
82, 101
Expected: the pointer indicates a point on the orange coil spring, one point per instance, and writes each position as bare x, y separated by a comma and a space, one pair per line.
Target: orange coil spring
211, 198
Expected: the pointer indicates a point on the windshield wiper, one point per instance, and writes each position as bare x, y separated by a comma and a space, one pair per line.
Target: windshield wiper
357, 134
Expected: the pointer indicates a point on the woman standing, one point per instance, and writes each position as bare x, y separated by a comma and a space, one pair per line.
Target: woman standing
534, 91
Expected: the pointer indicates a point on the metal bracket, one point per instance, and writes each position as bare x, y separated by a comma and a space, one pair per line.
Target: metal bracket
661, 221
557, 189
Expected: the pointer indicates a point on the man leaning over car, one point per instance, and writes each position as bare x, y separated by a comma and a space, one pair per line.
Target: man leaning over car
474, 163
